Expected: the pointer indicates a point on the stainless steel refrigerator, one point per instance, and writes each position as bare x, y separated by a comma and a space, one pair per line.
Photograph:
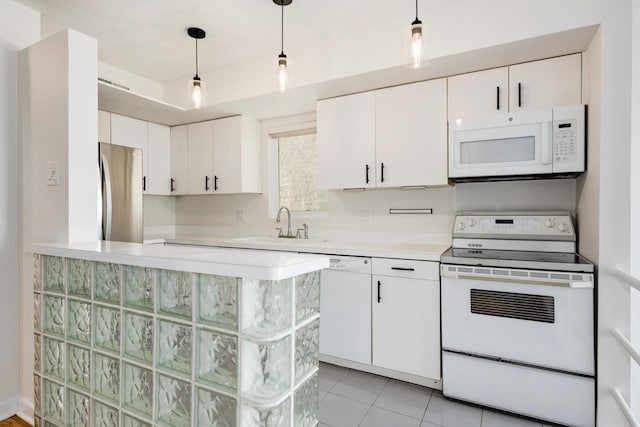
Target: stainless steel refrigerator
122, 182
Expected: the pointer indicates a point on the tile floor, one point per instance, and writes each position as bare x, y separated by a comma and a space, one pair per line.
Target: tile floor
350, 398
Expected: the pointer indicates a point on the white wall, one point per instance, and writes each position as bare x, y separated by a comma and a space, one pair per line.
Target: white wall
59, 123
19, 27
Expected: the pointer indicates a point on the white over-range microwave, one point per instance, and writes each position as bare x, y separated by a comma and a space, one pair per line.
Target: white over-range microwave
521, 144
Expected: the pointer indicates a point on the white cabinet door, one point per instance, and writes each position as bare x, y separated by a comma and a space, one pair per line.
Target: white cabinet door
131, 133
546, 83
411, 134
159, 160
345, 322
227, 155
346, 141
478, 94
104, 126
406, 325
178, 181
200, 158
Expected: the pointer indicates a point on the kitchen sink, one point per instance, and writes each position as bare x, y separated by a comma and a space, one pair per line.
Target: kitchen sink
283, 241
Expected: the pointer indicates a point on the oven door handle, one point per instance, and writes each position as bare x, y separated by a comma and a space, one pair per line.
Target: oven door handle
510, 279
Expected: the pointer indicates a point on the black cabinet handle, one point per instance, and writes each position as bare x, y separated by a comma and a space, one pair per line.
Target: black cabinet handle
497, 97
144, 183
206, 183
519, 94
381, 172
172, 186
215, 182
366, 174
379, 284
403, 268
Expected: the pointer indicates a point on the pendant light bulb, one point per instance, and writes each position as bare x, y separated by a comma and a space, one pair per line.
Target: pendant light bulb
416, 48
196, 85
282, 73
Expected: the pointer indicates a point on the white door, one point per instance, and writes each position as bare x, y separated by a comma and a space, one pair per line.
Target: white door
411, 134
131, 133
547, 83
199, 158
406, 325
478, 94
346, 141
178, 181
345, 322
227, 155
159, 160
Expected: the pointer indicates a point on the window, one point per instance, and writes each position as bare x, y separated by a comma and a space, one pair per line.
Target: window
297, 171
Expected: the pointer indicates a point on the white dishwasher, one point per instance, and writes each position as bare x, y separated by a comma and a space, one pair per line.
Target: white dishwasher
345, 309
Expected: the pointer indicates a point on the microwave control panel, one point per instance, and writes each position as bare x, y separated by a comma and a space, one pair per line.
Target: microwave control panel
565, 139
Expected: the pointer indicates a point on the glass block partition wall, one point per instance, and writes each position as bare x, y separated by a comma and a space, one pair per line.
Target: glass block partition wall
121, 345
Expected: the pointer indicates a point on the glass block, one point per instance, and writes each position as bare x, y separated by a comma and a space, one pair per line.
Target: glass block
276, 416
79, 321
266, 305
306, 407
138, 287
138, 337
107, 287
307, 295
266, 368
37, 394
129, 421
217, 301
107, 328
106, 374
214, 409
307, 348
79, 272
138, 389
48, 423
37, 284
37, 353
78, 367
78, 409
37, 311
175, 293
104, 415
53, 358
53, 268
54, 315
53, 399
174, 347
217, 358
174, 402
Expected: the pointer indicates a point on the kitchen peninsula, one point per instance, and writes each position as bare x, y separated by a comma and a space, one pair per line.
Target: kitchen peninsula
129, 334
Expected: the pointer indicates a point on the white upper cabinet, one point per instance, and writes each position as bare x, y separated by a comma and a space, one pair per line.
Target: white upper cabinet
159, 160
479, 94
346, 141
133, 133
539, 84
104, 126
178, 180
200, 158
236, 155
411, 134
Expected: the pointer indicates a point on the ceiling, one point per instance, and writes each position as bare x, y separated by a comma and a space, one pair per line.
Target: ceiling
148, 37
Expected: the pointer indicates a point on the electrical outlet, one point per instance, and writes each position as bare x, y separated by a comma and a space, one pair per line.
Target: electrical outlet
240, 216
366, 215
53, 173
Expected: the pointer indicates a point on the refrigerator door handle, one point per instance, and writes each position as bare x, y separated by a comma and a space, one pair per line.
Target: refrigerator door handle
106, 198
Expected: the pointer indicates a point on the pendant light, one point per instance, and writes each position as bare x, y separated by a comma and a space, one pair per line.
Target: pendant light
196, 89
417, 56
282, 72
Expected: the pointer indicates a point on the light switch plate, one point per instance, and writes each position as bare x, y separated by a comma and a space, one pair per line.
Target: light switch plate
53, 173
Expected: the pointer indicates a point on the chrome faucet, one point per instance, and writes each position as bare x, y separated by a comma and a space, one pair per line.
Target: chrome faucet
288, 222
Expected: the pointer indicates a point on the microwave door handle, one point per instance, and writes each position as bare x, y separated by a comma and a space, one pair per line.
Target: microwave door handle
547, 143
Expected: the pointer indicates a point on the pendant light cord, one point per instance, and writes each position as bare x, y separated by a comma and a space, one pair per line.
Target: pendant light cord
416, 10
196, 57
282, 28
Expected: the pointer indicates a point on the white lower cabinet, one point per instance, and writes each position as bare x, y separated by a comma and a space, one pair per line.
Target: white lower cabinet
406, 316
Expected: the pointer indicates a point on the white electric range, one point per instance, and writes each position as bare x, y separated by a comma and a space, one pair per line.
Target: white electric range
518, 316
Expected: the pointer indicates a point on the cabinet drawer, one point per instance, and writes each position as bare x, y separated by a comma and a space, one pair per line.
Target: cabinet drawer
406, 268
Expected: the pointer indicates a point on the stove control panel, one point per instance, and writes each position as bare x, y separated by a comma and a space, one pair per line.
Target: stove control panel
514, 225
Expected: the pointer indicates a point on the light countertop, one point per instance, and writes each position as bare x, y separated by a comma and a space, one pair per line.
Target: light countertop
251, 264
